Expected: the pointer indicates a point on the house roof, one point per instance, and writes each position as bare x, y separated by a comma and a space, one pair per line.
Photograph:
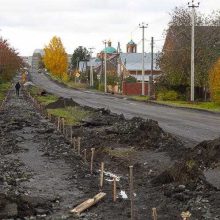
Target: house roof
84, 64
133, 61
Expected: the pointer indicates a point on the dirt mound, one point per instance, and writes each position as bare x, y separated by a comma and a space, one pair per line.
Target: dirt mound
61, 103
145, 134
207, 153
190, 169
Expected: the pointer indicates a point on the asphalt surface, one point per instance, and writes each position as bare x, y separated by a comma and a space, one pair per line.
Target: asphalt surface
191, 126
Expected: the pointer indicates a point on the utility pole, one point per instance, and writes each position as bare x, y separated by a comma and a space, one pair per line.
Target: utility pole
105, 78
150, 84
193, 6
143, 26
91, 67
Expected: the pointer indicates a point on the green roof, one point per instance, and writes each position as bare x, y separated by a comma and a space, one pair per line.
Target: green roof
109, 50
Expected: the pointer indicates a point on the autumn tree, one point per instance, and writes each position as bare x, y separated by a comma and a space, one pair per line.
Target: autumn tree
55, 58
79, 54
175, 59
10, 62
214, 80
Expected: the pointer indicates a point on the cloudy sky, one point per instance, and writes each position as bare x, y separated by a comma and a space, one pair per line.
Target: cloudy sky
30, 24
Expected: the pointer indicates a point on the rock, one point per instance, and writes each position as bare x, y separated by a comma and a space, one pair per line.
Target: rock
41, 211
182, 187
19, 139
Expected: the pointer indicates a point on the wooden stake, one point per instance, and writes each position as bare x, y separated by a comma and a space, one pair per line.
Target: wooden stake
154, 213
131, 191
85, 156
74, 144
88, 203
92, 158
71, 134
58, 123
114, 189
63, 125
79, 144
102, 176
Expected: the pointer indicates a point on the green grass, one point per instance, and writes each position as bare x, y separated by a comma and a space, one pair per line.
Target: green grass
72, 115
44, 100
139, 98
211, 106
74, 85
70, 83
4, 87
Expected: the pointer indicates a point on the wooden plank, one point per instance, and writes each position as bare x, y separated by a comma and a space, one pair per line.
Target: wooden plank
88, 203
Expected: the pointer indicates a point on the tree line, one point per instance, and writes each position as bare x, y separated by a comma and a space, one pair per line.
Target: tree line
175, 58
10, 62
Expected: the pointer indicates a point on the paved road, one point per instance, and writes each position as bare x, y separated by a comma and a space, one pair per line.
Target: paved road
191, 126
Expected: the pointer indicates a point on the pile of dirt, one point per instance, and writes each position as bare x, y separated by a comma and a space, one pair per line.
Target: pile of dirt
140, 131
102, 117
207, 153
61, 103
189, 170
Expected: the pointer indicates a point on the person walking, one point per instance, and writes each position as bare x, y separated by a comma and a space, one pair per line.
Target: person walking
17, 87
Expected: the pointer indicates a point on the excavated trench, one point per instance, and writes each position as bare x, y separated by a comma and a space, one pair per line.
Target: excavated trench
43, 178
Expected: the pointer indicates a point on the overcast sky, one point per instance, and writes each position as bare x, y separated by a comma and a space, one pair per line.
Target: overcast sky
30, 24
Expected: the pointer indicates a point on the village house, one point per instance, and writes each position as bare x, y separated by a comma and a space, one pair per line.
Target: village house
123, 64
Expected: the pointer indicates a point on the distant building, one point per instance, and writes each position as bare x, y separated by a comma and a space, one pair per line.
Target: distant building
129, 63
37, 59
27, 60
85, 65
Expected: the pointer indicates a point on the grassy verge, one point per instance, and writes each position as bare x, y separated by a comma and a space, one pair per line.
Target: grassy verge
72, 115
70, 83
139, 98
4, 87
44, 100
210, 106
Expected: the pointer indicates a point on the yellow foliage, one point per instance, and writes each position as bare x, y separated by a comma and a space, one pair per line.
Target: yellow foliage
214, 81
55, 57
65, 77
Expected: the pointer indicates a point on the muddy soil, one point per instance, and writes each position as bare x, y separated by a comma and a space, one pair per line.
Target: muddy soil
43, 178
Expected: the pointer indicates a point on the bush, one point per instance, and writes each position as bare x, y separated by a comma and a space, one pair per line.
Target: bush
214, 82
167, 95
112, 80
101, 87
131, 79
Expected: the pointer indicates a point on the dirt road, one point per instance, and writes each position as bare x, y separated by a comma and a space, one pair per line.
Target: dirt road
191, 126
